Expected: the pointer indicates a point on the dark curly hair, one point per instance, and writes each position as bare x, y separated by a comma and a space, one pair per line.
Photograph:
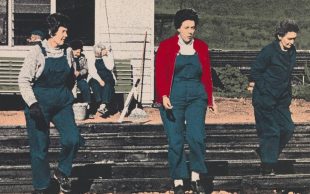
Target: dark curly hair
284, 27
54, 21
76, 44
185, 14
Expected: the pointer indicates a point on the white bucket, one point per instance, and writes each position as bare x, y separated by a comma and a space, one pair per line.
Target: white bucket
80, 110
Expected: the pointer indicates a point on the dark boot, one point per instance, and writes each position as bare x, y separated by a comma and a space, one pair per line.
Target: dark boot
179, 189
267, 169
63, 180
197, 187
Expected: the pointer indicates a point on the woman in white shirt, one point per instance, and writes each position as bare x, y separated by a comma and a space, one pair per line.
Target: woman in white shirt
101, 77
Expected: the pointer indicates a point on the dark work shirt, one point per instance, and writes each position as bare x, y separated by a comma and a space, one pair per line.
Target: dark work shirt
272, 70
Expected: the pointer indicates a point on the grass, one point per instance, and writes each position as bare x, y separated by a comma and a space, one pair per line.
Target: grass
238, 24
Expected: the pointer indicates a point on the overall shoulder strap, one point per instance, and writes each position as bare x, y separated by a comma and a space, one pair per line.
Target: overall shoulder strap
42, 49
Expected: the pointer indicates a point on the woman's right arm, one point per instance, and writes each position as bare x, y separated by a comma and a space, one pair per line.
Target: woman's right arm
159, 72
27, 75
161, 76
258, 69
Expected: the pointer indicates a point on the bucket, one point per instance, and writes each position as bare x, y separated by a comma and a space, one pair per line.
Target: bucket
80, 110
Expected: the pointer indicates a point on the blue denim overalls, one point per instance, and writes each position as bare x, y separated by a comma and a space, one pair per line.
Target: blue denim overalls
103, 94
189, 101
55, 100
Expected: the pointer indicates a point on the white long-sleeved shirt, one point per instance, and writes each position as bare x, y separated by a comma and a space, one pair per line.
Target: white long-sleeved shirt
108, 62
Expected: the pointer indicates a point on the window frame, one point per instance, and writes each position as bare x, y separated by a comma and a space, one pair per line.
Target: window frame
10, 42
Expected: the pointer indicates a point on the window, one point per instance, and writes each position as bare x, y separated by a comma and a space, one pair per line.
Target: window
28, 16
82, 15
3, 22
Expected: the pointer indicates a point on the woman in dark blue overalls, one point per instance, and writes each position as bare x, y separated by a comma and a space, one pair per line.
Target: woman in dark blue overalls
184, 88
272, 94
44, 84
102, 79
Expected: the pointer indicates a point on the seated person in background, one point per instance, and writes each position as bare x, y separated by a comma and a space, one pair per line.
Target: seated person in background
81, 70
101, 77
36, 36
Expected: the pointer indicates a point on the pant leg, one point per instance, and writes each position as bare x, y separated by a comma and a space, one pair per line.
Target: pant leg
85, 90
268, 132
195, 114
39, 144
107, 93
96, 88
70, 138
174, 126
285, 122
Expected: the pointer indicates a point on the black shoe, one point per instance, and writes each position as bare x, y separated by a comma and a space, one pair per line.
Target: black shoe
43, 191
63, 180
197, 187
267, 169
178, 190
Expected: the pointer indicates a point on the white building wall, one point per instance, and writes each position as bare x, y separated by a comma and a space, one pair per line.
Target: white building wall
125, 29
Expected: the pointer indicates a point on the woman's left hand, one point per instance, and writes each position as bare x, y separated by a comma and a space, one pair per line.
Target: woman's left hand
213, 108
76, 73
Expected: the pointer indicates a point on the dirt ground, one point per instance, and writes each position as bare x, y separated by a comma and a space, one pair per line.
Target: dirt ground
228, 111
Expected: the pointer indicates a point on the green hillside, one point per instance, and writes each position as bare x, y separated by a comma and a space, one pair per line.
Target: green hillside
238, 24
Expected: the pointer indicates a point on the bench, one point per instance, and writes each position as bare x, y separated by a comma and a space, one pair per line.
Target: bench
244, 59
124, 76
10, 67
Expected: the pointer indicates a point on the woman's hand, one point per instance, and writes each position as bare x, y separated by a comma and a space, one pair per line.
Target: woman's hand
102, 83
76, 73
104, 52
213, 108
166, 103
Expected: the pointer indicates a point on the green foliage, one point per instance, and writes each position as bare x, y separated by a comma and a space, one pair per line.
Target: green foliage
238, 24
301, 91
234, 81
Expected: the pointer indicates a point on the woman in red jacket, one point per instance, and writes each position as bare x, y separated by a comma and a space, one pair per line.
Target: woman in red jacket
184, 88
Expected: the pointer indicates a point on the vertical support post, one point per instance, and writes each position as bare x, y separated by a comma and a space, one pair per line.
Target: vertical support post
53, 6
10, 23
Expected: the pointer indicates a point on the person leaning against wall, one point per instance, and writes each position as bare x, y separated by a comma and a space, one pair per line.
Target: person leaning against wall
45, 83
272, 94
101, 77
184, 89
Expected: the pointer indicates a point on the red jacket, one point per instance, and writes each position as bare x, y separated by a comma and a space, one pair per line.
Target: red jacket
165, 62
